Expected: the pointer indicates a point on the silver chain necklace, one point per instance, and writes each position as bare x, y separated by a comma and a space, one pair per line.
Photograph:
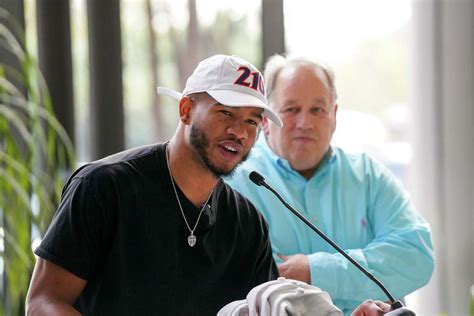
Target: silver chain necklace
191, 238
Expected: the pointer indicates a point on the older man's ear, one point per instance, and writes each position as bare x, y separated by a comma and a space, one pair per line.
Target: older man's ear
265, 125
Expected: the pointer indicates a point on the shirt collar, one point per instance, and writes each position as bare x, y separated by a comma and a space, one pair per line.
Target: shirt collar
284, 166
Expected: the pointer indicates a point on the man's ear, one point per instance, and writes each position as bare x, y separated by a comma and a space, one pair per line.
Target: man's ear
185, 106
265, 123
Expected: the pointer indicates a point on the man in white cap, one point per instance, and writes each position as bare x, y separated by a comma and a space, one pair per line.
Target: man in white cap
154, 230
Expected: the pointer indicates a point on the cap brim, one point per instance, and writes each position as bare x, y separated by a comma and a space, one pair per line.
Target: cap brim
169, 92
239, 99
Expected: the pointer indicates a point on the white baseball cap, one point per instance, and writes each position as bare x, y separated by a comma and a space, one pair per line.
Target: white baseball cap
231, 81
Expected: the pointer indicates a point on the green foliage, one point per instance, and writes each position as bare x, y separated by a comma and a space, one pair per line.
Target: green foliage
35, 154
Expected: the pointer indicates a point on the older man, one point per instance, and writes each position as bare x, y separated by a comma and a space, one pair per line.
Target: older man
355, 200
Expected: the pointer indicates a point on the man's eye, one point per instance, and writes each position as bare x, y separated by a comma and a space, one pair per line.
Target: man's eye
290, 110
226, 113
252, 122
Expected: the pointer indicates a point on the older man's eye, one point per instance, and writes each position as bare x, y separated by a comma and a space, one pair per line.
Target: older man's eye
290, 110
318, 110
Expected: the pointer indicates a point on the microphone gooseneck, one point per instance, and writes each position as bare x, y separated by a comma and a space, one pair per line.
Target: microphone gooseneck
259, 180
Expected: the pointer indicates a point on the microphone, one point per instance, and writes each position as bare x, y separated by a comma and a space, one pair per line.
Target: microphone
259, 180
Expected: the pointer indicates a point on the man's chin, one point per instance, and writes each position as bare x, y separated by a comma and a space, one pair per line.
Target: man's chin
224, 171
224, 168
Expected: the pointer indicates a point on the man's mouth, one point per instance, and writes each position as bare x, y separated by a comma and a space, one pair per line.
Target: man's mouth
303, 138
230, 150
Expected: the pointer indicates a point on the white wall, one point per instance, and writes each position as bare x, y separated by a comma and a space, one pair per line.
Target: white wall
443, 142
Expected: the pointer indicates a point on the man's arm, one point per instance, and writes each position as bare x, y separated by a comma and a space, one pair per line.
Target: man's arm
53, 290
400, 254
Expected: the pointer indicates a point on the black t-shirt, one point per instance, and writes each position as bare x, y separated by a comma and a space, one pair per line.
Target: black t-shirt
120, 228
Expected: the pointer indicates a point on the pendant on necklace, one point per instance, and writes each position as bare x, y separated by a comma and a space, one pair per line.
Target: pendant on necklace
191, 240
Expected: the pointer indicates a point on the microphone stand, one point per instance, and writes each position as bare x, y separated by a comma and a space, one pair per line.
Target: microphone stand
259, 180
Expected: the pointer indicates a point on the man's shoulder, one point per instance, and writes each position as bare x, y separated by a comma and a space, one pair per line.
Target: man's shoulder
120, 164
133, 154
233, 196
354, 158
360, 163
242, 204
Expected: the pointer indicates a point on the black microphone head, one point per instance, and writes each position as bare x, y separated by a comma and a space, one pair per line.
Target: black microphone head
256, 178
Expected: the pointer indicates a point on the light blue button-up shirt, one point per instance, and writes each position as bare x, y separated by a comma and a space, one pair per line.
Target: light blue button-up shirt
359, 204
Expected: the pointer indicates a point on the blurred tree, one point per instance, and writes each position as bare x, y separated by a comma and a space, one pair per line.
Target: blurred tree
35, 154
159, 127
190, 51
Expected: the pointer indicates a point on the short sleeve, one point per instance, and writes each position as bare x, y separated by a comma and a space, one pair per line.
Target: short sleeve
80, 230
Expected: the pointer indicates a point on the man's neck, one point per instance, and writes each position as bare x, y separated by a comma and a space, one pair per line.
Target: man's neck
194, 180
308, 174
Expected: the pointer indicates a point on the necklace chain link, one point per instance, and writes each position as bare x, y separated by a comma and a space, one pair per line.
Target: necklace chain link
191, 237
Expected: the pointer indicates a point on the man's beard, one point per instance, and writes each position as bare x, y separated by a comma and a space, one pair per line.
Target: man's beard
200, 142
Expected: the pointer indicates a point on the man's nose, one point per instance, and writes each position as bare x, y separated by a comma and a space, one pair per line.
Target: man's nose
238, 130
304, 120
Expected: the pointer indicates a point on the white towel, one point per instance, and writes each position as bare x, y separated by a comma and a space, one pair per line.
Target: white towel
283, 297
